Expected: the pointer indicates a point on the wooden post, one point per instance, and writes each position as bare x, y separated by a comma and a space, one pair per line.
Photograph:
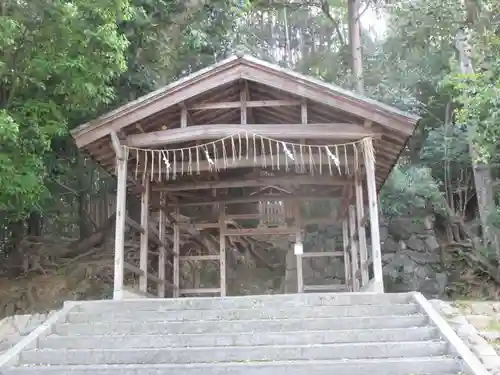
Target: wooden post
177, 245
121, 206
354, 248
300, 266
162, 257
347, 258
360, 214
222, 240
369, 158
144, 242
299, 239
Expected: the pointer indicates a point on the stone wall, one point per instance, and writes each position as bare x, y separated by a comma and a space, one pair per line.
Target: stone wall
412, 257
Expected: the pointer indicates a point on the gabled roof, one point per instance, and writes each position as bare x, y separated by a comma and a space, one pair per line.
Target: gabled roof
245, 67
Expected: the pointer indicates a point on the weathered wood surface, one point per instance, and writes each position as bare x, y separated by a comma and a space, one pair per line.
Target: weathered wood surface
333, 131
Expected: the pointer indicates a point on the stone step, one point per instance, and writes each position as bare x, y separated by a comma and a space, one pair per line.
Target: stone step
245, 302
241, 339
234, 354
392, 366
237, 326
246, 314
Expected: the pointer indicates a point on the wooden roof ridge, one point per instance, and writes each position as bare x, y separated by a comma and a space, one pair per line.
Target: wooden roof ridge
250, 68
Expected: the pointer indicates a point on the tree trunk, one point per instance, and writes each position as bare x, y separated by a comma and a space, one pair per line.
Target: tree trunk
35, 224
355, 44
482, 173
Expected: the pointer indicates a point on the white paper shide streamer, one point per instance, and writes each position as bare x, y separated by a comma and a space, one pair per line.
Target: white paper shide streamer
249, 150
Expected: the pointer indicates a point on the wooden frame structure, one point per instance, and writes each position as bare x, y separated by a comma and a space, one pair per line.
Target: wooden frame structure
228, 135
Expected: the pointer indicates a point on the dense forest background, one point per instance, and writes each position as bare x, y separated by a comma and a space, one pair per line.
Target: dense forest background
63, 63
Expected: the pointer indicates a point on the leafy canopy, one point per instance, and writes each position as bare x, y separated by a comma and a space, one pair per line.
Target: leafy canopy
58, 60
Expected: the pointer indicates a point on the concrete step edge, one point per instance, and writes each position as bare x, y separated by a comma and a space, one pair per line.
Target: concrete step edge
315, 299
420, 315
158, 309
213, 334
333, 346
305, 362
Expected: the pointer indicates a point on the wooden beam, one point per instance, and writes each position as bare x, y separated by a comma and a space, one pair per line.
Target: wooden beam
256, 182
144, 240
360, 214
177, 245
139, 272
207, 202
353, 248
194, 258
324, 288
374, 219
184, 117
216, 131
121, 206
250, 104
347, 257
248, 98
162, 257
155, 102
260, 231
298, 238
320, 254
320, 92
153, 235
200, 291
222, 254
116, 144
243, 104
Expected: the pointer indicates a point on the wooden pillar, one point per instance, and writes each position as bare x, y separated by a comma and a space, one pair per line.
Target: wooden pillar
222, 240
353, 246
298, 255
176, 259
300, 265
121, 206
144, 242
360, 214
369, 159
347, 257
162, 256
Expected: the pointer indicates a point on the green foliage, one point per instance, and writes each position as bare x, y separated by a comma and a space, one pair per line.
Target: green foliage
58, 60
478, 95
410, 191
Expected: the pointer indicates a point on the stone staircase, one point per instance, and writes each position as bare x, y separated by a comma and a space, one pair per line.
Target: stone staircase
314, 334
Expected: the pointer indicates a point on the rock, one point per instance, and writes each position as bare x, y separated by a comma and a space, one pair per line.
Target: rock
484, 350
431, 243
481, 322
384, 234
467, 330
390, 246
492, 362
422, 258
441, 282
415, 243
491, 335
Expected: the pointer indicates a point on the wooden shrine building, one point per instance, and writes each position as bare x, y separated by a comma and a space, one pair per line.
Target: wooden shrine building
247, 133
